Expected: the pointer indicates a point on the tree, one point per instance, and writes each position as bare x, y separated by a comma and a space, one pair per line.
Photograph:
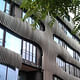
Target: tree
41, 8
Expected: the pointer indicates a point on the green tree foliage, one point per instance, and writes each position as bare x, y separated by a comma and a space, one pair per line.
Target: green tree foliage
41, 8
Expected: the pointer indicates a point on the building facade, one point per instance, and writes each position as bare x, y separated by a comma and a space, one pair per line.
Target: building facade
47, 53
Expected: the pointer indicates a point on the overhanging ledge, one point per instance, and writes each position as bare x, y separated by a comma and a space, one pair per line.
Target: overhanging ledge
10, 58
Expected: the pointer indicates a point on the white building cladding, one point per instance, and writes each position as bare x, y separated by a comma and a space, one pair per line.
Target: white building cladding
42, 54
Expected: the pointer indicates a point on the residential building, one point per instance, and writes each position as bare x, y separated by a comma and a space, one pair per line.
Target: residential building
46, 53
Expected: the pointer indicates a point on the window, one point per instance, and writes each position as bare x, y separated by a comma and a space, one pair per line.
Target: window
67, 18
7, 9
72, 69
4, 6
30, 20
69, 34
13, 43
65, 29
77, 72
2, 72
34, 54
7, 73
12, 74
67, 67
56, 39
60, 63
60, 25
1, 36
70, 51
77, 56
60, 42
29, 52
56, 78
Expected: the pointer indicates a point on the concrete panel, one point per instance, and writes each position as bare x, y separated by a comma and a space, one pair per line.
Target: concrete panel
18, 12
10, 58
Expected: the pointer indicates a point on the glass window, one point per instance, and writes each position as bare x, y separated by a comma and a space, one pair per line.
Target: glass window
57, 78
77, 56
28, 44
56, 39
3, 72
60, 42
23, 55
13, 43
1, 37
28, 51
34, 51
65, 30
31, 52
34, 54
71, 69
37, 27
12, 74
30, 48
27, 56
7, 8
70, 51
2, 5
24, 46
67, 18
60, 63
74, 54
69, 34
77, 72
60, 25
63, 66
29, 19
57, 60
67, 67
24, 50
